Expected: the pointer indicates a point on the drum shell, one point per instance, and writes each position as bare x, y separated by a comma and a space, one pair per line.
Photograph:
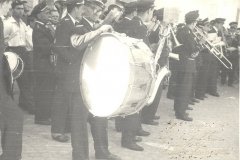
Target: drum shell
140, 76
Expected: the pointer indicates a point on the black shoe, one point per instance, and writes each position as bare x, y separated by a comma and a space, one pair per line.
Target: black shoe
189, 108
191, 102
154, 123
215, 94
43, 122
137, 139
199, 97
156, 117
195, 100
109, 156
60, 137
143, 133
170, 96
133, 146
185, 118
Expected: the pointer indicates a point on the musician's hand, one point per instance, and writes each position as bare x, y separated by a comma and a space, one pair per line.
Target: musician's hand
106, 28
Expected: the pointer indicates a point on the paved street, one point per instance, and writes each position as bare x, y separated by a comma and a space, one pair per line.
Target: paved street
213, 135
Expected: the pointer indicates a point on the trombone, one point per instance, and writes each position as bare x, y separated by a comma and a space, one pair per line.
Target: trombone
207, 44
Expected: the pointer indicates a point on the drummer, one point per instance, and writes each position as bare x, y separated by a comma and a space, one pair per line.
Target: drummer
71, 39
99, 125
133, 27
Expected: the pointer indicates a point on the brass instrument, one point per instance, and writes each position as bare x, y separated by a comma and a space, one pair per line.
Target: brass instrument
201, 37
177, 44
160, 73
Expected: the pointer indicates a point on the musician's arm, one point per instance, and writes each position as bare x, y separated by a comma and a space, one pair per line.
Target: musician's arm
80, 41
61, 46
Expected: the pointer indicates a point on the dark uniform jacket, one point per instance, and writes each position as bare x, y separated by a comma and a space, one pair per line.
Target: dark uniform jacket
42, 44
5, 72
128, 27
134, 28
69, 58
189, 48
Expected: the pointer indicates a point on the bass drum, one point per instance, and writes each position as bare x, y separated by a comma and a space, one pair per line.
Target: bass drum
116, 75
15, 63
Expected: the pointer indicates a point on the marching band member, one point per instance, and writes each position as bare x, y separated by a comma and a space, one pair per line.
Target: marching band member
203, 69
232, 55
187, 66
61, 8
54, 19
71, 42
99, 125
144, 15
11, 116
113, 13
129, 124
148, 113
173, 66
44, 78
214, 67
15, 35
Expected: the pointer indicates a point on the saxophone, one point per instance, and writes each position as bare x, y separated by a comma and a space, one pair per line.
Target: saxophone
159, 73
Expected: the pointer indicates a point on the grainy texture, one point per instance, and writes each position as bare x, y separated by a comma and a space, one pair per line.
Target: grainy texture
213, 134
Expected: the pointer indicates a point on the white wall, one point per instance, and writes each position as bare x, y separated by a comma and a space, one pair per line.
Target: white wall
207, 8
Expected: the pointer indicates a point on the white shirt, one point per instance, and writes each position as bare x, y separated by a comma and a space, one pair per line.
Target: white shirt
15, 34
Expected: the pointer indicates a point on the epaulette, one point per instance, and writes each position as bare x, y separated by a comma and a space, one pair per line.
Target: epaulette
38, 24
66, 19
78, 26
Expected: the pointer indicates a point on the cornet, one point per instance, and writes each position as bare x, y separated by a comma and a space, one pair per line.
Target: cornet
198, 33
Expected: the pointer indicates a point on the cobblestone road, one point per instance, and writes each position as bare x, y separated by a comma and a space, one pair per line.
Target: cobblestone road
213, 135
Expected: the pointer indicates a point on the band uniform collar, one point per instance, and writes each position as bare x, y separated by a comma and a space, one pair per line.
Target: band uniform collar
39, 22
128, 18
89, 22
73, 20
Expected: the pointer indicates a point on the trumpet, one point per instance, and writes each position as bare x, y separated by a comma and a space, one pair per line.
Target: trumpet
198, 33
176, 42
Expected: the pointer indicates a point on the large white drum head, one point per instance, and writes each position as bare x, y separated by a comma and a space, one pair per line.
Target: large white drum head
104, 75
12, 60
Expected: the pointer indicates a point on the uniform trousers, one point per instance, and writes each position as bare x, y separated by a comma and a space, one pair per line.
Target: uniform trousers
79, 134
202, 79
183, 92
213, 76
230, 73
60, 112
129, 127
99, 130
11, 125
148, 112
71, 106
172, 80
26, 99
44, 90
